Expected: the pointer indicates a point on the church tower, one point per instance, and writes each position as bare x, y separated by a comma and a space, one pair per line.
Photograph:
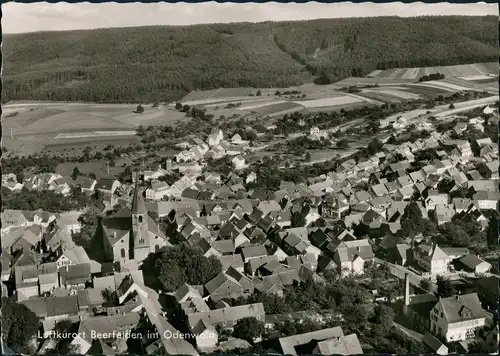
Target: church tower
139, 234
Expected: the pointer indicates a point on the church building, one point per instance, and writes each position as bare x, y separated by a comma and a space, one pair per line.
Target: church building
131, 234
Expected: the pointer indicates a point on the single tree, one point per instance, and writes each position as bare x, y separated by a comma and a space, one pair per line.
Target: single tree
425, 285
139, 109
343, 143
259, 93
384, 317
249, 329
76, 173
444, 287
374, 146
19, 325
178, 106
451, 106
412, 222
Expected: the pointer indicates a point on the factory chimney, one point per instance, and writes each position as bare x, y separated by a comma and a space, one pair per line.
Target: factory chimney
407, 289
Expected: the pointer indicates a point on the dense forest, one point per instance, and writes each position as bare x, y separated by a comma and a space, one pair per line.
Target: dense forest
162, 63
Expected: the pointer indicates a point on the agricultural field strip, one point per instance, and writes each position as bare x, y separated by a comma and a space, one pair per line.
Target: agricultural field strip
442, 85
95, 134
271, 109
251, 107
219, 103
396, 73
475, 77
329, 101
454, 71
374, 73
396, 93
381, 97
218, 93
288, 111
411, 73
222, 100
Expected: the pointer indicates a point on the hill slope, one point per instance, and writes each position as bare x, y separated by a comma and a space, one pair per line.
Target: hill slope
163, 63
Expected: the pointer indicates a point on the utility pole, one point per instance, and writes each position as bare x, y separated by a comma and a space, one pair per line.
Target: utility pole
11, 133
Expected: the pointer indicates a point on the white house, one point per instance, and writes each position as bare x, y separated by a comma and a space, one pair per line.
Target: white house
316, 133
157, 191
432, 259
238, 162
486, 200
457, 318
215, 138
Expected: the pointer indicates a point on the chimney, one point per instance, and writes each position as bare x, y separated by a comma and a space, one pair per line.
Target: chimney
114, 234
407, 289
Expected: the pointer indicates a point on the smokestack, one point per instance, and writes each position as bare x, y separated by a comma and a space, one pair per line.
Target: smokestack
407, 289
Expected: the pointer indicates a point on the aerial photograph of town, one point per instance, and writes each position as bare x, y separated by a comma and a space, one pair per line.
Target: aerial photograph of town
226, 179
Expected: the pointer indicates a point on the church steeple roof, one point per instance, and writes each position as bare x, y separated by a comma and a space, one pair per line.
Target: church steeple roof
138, 204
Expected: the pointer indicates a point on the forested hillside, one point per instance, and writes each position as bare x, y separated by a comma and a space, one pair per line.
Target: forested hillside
355, 47
163, 63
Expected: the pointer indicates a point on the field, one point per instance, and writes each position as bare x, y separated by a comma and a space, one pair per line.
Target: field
69, 127
327, 102
464, 70
279, 108
218, 93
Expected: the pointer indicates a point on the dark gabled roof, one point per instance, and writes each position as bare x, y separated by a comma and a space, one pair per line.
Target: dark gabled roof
77, 274
190, 193
223, 246
105, 183
462, 307
138, 204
